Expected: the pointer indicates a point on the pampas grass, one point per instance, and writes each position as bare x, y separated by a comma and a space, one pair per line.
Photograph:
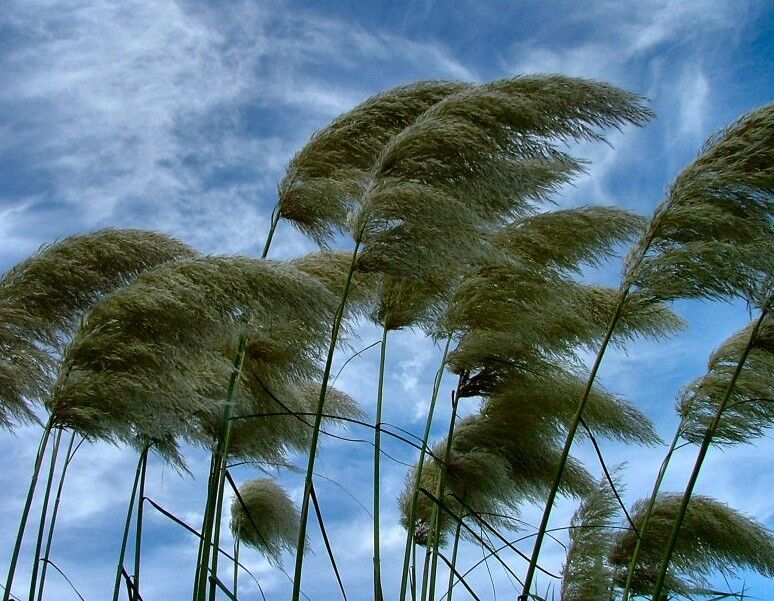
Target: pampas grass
711, 237
713, 538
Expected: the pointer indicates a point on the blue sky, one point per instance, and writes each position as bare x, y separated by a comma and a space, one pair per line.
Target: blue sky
181, 116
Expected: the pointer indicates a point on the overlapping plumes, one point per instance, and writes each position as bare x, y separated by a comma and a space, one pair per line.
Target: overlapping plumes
43, 297
493, 467
152, 360
750, 409
586, 574
268, 521
443, 182
713, 538
713, 235
328, 174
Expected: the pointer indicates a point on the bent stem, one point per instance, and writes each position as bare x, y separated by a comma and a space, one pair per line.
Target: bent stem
648, 511
26, 510
435, 517
127, 524
44, 512
138, 525
55, 512
572, 429
316, 429
378, 596
708, 436
221, 463
275, 217
411, 527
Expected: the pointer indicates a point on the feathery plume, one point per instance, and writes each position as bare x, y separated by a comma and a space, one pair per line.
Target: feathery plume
43, 297
327, 176
586, 574
268, 520
750, 408
713, 235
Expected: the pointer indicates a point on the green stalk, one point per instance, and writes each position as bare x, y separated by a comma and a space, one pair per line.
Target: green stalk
425, 570
205, 522
378, 596
54, 514
26, 510
573, 428
221, 463
236, 566
125, 537
138, 525
648, 512
435, 517
417, 480
708, 436
275, 217
316, 429
44, 512
454, 560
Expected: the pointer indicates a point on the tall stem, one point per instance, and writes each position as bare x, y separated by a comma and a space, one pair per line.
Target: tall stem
573, 428
205, 528
708, 436
236, 566
54, 514
378, 596
138, 525
44, 513
221, 463
316, 429
275, 217
127, 524
411, 527
26, 510
435, 519
454, 560
648, 511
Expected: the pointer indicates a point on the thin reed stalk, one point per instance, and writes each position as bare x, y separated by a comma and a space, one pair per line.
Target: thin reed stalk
138, 523
453, 567
127, 524
44, 512
236, 565
435, 519
648, 512
411, 527
571, 430
339, 316
708, 436
26, 510
55, 512
378, 595
221, 463
199, 564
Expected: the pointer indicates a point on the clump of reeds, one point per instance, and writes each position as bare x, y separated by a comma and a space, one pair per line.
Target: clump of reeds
711, 237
